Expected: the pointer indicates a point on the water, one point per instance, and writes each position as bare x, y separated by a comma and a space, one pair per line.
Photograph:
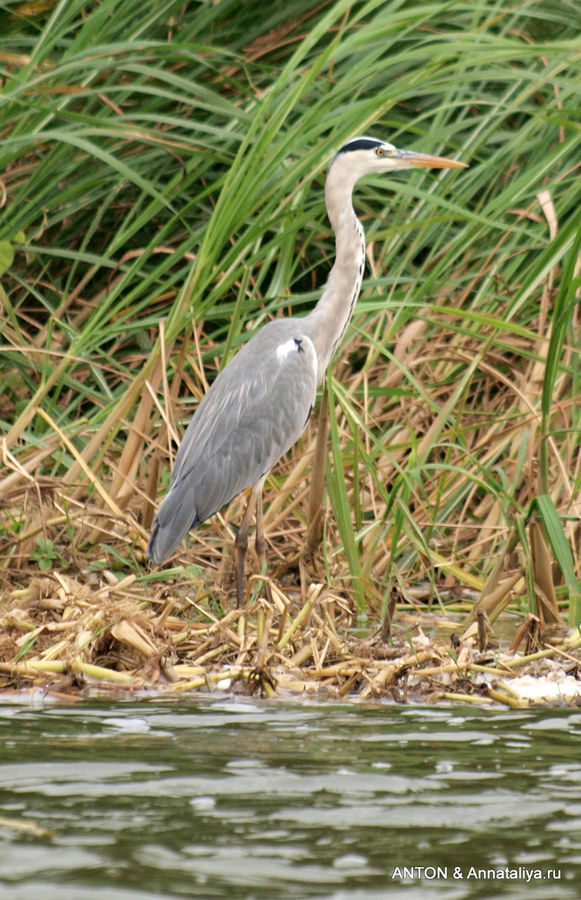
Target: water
232, 799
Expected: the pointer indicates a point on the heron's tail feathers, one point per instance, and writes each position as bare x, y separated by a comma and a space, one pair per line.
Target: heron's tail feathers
174, 519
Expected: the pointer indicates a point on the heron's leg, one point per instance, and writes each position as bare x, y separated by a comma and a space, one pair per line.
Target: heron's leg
317, 492
260, 542
240, 546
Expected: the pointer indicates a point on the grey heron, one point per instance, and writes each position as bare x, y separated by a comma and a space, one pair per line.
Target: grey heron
260, 403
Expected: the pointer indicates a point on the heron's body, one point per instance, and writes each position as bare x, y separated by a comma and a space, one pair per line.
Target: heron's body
259, 405
242, 427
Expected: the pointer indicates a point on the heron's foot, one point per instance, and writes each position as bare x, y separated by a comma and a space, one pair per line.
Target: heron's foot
261, 680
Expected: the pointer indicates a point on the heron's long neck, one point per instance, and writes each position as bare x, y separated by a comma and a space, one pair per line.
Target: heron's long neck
326, 324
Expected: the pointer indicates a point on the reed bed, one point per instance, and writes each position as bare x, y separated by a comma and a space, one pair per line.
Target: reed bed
161, 178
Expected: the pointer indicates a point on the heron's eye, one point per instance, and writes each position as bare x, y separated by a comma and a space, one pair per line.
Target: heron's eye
379, 151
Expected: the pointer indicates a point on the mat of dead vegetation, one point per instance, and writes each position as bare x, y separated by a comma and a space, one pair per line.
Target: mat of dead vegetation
110, 636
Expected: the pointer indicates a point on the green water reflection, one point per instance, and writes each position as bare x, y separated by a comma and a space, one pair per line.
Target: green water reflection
233, 799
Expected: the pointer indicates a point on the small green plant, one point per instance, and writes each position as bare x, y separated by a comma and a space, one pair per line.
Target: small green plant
46, 555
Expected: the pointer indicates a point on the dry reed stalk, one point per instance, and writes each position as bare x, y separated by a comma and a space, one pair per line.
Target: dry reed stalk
543, 575
467, 698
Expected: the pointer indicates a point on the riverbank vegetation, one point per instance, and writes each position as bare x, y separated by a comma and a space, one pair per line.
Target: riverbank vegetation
161, 189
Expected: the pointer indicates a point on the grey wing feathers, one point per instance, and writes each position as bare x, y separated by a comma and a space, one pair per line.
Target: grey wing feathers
254, 412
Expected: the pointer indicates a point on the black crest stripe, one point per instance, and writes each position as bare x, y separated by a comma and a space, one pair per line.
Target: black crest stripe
359, 144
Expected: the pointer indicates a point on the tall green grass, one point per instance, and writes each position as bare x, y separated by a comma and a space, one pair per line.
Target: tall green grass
162, 170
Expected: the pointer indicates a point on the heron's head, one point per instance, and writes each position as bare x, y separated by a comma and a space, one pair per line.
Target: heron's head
367, 156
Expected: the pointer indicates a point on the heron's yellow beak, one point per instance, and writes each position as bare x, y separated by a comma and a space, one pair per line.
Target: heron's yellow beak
409, 159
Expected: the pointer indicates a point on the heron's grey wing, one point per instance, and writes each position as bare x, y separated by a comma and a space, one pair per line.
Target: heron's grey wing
254, 412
